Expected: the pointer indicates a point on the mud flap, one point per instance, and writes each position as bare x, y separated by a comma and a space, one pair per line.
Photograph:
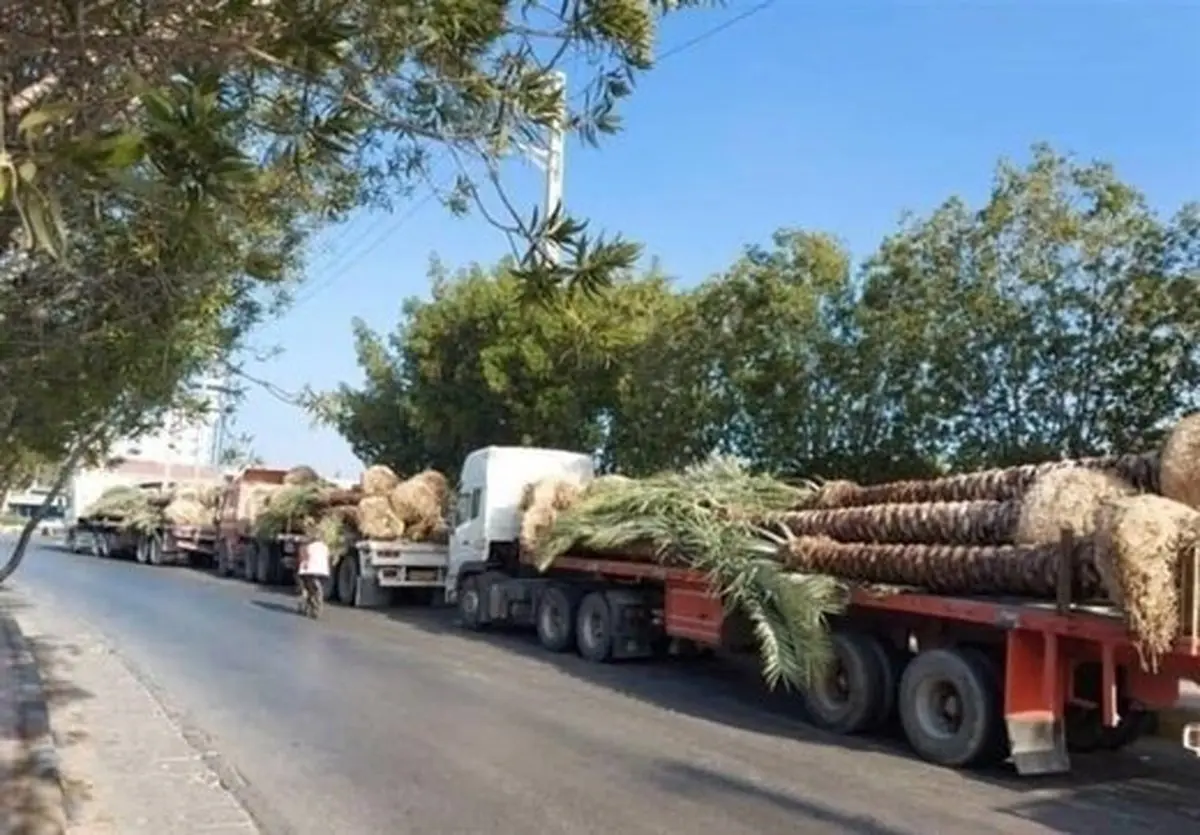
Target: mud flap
1039, 746
369, 595
1191, 737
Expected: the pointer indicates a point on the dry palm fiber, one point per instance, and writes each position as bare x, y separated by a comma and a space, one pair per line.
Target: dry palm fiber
378, 480
129, 507
547, 498
420, 500
301, 475
288, 510
704, 516
1000, 485
338, 529
340, 496
938, 523
188, 512
377, 519
1067, 497
429, 530
1020, 570
1141, 541
1181, 462
835, 494
254, 500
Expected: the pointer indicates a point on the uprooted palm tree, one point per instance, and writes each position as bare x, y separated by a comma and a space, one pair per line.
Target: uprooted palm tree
707, 518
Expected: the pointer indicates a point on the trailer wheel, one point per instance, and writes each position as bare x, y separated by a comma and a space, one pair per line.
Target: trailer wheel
949, 707
141, 550
892, 661
154, 550
594, 628
849, 699
347, 580
556, 614
470, 603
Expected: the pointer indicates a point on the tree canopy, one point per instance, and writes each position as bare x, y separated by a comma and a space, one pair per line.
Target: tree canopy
1058, 318
164, 164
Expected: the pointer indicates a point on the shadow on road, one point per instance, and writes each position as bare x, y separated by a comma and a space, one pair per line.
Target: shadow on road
1114, 793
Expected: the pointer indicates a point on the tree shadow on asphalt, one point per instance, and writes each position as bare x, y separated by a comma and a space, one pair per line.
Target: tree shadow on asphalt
37, 689
1105, 793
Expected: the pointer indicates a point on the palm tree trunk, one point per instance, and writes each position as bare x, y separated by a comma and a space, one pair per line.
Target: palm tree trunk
941, 523
1030, 571
1000, 485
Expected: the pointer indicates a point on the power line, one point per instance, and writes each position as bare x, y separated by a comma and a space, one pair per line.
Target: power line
715, 30
690, 43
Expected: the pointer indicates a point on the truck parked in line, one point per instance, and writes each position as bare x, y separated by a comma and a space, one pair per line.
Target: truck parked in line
972, 678
239, 552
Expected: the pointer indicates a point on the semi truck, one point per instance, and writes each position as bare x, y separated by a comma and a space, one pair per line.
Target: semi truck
970, 680
164, 545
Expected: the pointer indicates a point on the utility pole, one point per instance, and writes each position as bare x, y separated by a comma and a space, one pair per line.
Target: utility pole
550, 159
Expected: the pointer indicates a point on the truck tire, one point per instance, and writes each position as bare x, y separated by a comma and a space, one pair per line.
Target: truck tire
222, 559
143, 547
892, 661
950, 707
470, 603
347, 580
556, 614
849, 700
594, 628
154, 550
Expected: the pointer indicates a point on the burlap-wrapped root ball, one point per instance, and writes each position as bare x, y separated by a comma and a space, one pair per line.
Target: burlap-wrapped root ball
378, 480
1179, 463
1069, 498
547, 498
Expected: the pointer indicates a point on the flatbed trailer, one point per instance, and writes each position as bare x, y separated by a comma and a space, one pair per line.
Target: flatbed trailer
971, 679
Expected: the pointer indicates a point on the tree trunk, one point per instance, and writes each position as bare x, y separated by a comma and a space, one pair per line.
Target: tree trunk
1030, 571
1001, 485
64, 473
942, 523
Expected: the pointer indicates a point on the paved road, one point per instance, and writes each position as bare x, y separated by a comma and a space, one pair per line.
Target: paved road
375, 722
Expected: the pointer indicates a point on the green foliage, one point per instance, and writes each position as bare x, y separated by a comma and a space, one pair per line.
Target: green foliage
479, 364
708, 517
154, 210
1058, 318
129, 507
291, 509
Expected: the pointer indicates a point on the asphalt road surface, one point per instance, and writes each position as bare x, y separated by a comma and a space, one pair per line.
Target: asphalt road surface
392, 722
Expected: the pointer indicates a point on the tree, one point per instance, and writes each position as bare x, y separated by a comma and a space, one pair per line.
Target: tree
162, 167
1059, 319
365, 88
480, 364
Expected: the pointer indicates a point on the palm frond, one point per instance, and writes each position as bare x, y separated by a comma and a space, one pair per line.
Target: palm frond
710, 517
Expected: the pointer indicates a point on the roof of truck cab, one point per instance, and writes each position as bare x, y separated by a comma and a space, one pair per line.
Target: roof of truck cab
490, 451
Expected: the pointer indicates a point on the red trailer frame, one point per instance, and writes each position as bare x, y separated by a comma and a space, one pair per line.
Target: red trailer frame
1042, 643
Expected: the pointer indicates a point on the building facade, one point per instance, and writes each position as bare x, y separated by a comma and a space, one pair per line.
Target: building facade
185, 440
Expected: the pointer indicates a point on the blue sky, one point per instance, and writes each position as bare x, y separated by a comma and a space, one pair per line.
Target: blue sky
835, 116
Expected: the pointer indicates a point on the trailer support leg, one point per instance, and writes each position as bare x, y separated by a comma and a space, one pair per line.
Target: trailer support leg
1034, 691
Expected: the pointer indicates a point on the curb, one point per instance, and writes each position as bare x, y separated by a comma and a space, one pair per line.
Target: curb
43, 806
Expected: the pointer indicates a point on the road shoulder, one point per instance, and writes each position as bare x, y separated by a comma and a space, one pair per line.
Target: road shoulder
124, 764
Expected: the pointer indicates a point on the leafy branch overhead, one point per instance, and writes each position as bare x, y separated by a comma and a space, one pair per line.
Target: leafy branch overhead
351, 97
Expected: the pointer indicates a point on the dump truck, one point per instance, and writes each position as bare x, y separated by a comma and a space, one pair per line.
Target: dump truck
971, 679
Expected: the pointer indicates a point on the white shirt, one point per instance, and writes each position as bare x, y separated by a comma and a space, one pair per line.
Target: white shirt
314, 559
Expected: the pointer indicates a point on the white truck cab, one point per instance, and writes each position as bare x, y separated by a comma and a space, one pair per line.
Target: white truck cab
487, 513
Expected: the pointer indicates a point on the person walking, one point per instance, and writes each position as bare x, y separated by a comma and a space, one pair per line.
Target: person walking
312, 572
